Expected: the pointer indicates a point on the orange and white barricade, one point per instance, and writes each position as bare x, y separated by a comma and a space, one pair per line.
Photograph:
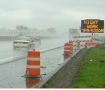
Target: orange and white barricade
91, 43
71, 46
33, 63
78, 45
81, 41
82, 36
74, 44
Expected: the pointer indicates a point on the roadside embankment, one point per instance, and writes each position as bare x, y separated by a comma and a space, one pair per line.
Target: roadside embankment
85, 70
64, 77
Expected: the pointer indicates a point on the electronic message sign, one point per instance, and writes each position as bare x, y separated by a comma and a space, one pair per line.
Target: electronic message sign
92, 26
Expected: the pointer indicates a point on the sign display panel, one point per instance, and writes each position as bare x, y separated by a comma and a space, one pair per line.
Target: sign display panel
92, 26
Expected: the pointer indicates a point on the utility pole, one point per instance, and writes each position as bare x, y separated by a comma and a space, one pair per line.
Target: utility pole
92, 36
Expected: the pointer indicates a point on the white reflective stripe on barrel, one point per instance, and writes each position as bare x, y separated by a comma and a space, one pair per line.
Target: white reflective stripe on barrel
36, 59
67, 46
31, 66
67, 50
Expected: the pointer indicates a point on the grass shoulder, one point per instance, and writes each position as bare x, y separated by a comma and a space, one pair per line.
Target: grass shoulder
91, 72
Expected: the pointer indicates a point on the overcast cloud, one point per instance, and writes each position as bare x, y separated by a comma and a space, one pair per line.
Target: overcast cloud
43, 14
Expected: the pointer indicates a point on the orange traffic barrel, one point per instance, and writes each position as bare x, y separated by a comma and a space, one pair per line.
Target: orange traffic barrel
33, 63
30, 82
70, 41
67, 48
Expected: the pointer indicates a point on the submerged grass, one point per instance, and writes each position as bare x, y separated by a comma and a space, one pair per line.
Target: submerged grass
91, 72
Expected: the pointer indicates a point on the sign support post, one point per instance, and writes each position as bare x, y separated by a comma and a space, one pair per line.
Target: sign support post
92, 36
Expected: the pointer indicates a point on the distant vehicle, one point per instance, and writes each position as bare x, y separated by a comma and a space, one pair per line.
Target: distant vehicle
23, 42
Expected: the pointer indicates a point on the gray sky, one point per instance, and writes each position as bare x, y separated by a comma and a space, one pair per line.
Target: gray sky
43, 14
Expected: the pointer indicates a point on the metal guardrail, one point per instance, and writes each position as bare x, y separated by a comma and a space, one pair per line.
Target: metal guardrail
22, 56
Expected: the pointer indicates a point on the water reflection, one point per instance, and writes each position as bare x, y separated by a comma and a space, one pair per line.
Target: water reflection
30, 82
66, 57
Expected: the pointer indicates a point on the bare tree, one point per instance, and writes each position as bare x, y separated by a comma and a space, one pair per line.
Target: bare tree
18, 27
21, 27
51, 30
34, 28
